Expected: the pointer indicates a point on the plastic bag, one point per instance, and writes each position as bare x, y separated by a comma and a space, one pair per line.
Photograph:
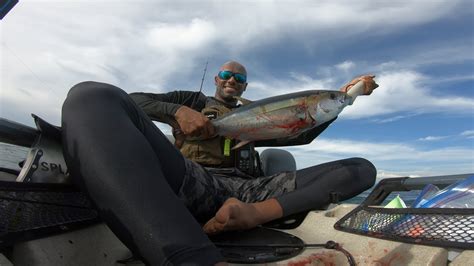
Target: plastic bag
457, 195
428, 191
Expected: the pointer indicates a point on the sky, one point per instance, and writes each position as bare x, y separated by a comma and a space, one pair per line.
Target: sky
419, 122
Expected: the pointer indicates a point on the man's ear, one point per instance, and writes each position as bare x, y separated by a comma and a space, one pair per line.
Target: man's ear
215, 80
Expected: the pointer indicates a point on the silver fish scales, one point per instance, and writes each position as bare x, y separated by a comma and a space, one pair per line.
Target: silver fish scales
284, 116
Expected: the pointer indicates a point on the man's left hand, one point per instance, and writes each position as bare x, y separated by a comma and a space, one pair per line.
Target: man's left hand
369, 84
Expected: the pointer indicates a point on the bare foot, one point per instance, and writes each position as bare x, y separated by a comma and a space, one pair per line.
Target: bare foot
237, 215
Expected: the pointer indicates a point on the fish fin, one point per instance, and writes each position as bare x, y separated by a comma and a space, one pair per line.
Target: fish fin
242, 100
240, 144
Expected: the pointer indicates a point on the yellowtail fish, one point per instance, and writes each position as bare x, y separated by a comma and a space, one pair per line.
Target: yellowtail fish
284, 116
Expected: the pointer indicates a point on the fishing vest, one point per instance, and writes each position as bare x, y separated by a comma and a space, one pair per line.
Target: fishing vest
213, 152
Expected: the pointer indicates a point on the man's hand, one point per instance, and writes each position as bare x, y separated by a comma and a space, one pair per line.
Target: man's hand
193, 123
369, 84
179, 137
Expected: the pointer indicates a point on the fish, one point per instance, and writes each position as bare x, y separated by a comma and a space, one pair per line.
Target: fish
284, 116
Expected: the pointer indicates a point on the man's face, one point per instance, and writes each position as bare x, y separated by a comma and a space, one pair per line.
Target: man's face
226, 89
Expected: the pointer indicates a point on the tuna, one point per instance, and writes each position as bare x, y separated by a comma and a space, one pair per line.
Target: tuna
284, 116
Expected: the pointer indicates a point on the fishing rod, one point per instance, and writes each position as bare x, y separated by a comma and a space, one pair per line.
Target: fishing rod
202, 82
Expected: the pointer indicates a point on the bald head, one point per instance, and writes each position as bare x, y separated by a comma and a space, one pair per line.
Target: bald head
234, 65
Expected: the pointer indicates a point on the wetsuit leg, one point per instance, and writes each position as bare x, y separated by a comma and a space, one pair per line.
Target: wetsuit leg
314, 184
132, 173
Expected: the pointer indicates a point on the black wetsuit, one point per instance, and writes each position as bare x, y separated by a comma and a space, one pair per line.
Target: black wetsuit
144, 188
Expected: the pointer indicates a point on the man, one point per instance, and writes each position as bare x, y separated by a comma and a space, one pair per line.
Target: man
154, 199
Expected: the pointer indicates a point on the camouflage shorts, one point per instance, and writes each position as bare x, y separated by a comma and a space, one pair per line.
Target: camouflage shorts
204, 190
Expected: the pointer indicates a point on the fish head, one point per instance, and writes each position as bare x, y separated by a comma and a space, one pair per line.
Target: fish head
326, 105
312, 104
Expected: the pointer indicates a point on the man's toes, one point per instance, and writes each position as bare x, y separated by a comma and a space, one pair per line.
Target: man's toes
213, 226
210, 226
222, 215
207, 226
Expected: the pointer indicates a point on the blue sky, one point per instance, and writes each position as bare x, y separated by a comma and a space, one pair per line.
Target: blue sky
419, 122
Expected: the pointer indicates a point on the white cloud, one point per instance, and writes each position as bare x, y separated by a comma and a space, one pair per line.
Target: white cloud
144, 45
468, 134
432, 138
295, 82
441, 54
396, 159
387, 151
346, 65
399, 91
391, 119
150, 45
404, 91
454, 78
384, 174
165, 37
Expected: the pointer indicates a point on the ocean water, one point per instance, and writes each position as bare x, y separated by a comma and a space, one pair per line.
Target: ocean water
12, 155
407, 196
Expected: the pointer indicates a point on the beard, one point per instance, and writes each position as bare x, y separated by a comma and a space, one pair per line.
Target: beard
228, 94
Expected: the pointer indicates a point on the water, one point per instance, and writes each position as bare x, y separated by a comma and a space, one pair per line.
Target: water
407, 196
11, 155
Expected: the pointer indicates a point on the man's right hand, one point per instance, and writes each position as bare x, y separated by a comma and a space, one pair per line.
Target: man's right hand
193, 123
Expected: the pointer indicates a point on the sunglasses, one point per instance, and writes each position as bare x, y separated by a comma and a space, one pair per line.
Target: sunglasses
226, 75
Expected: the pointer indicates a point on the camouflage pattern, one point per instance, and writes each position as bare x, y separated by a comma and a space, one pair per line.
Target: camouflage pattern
204, 190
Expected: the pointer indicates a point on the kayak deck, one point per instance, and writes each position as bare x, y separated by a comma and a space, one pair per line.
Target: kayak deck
318, 228
97, 245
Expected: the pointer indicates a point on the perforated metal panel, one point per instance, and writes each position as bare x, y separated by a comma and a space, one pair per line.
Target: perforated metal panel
445, 227
27, 209
439, 227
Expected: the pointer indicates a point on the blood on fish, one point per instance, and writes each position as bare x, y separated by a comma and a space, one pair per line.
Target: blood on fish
295, 126
285, 119
299, 124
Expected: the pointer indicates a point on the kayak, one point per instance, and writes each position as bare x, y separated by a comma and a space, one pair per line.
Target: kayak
97, 245
46, 221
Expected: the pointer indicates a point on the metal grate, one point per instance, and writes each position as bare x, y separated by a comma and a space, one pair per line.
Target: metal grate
444, 227
438, 227
28, 207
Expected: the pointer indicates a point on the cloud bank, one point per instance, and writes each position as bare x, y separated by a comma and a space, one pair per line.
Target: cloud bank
156, 46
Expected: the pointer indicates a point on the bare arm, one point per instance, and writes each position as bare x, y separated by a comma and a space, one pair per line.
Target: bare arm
174, 108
